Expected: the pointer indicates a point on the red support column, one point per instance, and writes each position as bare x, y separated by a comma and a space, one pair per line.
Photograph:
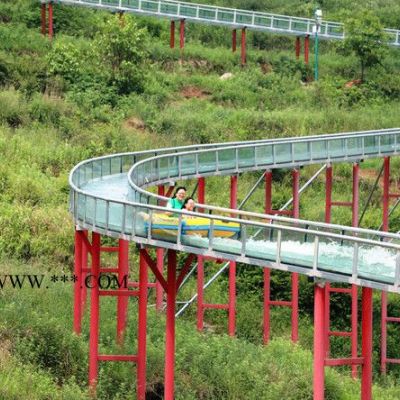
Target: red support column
366, 344
85, 252
295, 276
182, 34
170, 328
319, 340
385, 228
172, 35
122, 301
79, 282
142, 329
267, 307
160, 263
306, 48
200, 264
51, 20
94, 314
297, 47
243, 46
43, 18
234, 40
267, 271
232, 267
354, 288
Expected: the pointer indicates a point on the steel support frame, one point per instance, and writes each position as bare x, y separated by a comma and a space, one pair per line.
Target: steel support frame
234, 40
182, 34
353, 291
294, 302
51, 31
172, 35
231, 305
386, 196
306, 49
243, 56
320, 360
96, 293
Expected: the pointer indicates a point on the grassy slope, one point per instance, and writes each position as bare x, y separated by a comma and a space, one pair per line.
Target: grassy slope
46, 129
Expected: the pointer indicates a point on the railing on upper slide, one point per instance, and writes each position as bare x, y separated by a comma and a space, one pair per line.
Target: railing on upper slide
223, 16
338, 253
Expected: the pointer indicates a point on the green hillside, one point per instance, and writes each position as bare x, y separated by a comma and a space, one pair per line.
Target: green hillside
102, 87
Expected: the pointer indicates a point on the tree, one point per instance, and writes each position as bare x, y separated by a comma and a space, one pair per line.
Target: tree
365, 37
121, 45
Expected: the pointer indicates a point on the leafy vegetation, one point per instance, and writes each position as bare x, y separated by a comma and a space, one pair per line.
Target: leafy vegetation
107, 85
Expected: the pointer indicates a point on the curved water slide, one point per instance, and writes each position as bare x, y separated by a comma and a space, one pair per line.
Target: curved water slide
111, 196
222, 16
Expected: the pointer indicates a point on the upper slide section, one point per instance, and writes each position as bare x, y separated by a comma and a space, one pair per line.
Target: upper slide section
230, 17
109, 196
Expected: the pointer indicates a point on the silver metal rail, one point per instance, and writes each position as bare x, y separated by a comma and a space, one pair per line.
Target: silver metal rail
222, 16
313, 241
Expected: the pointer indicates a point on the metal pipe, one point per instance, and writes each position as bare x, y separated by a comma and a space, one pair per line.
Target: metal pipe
319, 340
78, 283
122, 301
366, 344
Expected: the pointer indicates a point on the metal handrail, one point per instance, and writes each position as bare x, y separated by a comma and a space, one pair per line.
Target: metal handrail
223, 16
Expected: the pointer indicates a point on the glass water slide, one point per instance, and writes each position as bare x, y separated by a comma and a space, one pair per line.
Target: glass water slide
222, 16
110, 195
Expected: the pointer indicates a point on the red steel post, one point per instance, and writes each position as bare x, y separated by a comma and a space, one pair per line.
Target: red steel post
295, 276
243, 46
267, 308
79, 282
200, 293
122, 301
354, 288
385, 227
160, 264
319, 341
172, 35
182, 34
234, 40
170, 328
94, 313
306, 48
200, 264
366, 344
142, 329
51, 20
84, 274
232, 267
267, 271
43, 18
297, 46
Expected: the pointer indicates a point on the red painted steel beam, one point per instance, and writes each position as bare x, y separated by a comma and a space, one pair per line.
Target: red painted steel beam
172, 35
295, 276
122, 301
234, 40
110, 249
94, 315
169, 385
182, 34
153, 266
319, 342
243, 47
232, 266
200, 293
306, 48
297, 47
121, 294
51, 21
335, 362
142, 328
84, 274
160, 259
366, 344
385, 228
78, 283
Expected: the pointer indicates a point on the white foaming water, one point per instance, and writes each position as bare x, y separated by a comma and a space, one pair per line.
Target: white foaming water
114, 187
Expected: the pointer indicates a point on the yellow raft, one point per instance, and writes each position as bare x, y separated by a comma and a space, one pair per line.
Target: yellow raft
165, 225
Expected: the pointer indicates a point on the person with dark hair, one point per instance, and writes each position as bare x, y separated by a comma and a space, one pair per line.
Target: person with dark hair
188, 205
177, 200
